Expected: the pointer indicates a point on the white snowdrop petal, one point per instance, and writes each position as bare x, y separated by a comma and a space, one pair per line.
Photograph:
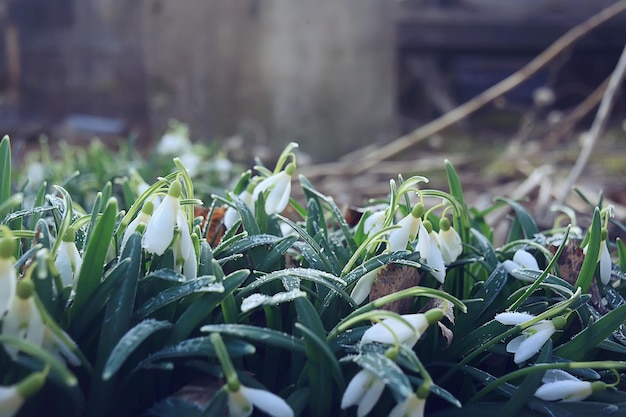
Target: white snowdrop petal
564, 390
160, 229
371, 397
356, 388
513, 318
525, 259
605, 263
268, 402
532, 344
8, 284
364, 285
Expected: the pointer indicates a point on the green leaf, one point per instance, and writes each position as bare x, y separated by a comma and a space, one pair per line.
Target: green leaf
174, 406
621, 250
588, 267
329, 264
197, 312
268, 336
488, 292
527, 223
93, 260
485, 249
197, 346
165, 297
5, 171
129, 342
247, 243
581, 345
166, 274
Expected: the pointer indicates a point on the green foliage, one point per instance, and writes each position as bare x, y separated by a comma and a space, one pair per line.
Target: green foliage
133, 326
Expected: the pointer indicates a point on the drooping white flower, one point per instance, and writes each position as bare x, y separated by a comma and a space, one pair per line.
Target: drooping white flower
521, 259
169, 215
242, 402
232, 214
561, 386
364, 285
8, 275
374, 222
450, 242
175, 141
409, 228
23, 319
68, 260
363, 390
142, 218
435, 258
412, 406
532, 338
185, 254
279, 187
12, 397
405, 330
605, 263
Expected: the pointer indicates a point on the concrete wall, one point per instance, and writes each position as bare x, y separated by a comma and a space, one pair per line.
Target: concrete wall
317, 72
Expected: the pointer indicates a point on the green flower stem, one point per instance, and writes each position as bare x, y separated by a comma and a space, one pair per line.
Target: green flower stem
544, 367
227, 365
364, 247
556, 310
532, 288
285, 155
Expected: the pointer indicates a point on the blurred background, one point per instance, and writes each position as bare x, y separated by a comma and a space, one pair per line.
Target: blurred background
339, 77
331, 75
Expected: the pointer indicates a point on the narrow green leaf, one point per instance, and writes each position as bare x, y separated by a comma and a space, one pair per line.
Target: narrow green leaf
197, 312
621, 250
485, 249
588, 268
165, 297
264, 335
5, 171
66, 220
328, 263
581, 345
93, 260
247, 243
129, 342
527, 223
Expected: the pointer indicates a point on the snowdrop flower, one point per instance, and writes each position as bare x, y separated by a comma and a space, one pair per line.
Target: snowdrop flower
142, 218
449, 242
532, 338
279, 186
435, 258
175, 141
363, 390
363, 286
561, 386
405, 330
521, 259
68, 260
8, 276
191, 161
12, 397
242, 401
605, 259
232, 214
411, 227
412, 406
169, 215
185, 255
374, 222
23, 319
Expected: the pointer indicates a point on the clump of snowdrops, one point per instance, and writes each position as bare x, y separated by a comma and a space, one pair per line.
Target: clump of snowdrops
282, 307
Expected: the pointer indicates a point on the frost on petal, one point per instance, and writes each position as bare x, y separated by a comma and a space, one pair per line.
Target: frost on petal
160, 229
513, 318
534, 342
268, 402
363, 286
605, 263
525, 260
568, 390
